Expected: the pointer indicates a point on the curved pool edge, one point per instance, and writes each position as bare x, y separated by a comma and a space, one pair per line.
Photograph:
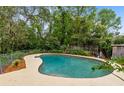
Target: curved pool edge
95, 58
76, 56
36, 58
31, 76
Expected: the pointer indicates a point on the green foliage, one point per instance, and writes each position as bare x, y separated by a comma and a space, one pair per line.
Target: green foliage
116, 63
119, 60
8, 58
79, 52
109, 25
106, 47
109, 19
15, 62
71, 51
118, 40
51, 43
104, 66
55, 51
17, 54
3, 59
33, 51
57, 28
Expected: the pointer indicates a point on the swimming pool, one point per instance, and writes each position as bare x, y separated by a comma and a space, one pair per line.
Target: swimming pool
70, 67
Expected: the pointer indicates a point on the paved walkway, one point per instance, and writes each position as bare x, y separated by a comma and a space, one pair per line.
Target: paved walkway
31, 76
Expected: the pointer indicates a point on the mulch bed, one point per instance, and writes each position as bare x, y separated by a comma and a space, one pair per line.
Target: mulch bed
11, 68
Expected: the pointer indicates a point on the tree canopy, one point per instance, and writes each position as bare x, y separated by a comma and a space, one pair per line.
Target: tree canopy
48, 28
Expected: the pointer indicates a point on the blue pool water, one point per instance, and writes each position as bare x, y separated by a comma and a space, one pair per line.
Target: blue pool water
72, 67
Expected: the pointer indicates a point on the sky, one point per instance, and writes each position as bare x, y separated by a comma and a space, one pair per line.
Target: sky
119, 10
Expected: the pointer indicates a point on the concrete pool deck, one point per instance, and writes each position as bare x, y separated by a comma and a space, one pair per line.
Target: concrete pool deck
30, 76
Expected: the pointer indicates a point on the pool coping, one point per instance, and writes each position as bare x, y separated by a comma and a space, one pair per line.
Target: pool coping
72, 55
36, 78
80, 56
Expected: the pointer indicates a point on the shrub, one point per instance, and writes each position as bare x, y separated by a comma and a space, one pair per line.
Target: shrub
34, 51
3, 59
15, 62
79, 52
116, 63
6, 59
105, 66
17, 54
119, 60
118, 40
71, 51
56, 51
